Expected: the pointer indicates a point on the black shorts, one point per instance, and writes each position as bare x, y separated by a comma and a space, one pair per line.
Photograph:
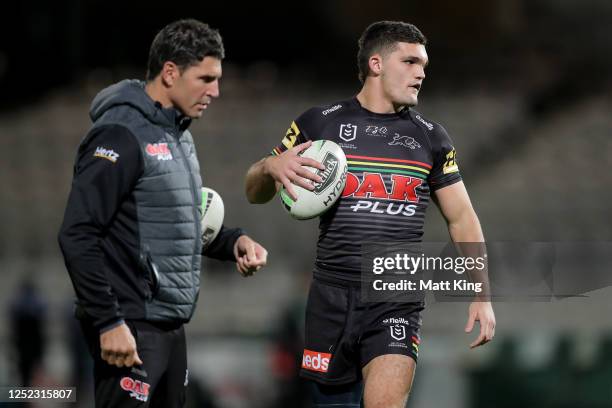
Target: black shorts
160, 382
344, 333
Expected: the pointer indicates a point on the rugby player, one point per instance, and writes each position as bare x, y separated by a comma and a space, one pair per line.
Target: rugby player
397, 159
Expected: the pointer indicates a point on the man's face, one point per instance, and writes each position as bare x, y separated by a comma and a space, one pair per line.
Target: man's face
402, 73
194, 89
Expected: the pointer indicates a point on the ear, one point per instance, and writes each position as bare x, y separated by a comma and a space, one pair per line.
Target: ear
169, 73
375, 64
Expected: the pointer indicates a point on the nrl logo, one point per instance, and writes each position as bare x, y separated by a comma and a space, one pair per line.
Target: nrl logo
405, 141
398, 332
348, 132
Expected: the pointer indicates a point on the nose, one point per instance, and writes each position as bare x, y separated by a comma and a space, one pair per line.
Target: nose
421, 72
213, 89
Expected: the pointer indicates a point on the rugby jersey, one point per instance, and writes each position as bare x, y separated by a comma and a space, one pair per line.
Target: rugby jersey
395, 161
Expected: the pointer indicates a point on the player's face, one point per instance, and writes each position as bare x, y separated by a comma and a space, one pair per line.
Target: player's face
403, 72
194, 89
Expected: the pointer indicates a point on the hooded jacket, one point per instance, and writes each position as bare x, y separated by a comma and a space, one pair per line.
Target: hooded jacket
131, 236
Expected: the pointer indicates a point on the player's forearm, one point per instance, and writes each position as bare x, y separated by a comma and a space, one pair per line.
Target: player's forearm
466, 232
260, 186
466, 228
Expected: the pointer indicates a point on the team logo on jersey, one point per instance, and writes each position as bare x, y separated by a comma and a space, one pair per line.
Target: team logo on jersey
405, 141
450, 165
137, 389
373, 130
348, 132
398, 332
316, 361
159, 150
404, 188
108, 154
291, 136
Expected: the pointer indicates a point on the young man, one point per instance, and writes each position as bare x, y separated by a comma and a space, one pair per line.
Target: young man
131, 235
397, 159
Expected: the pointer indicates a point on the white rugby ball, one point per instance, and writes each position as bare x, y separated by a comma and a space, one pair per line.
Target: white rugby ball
310, 204
211, 215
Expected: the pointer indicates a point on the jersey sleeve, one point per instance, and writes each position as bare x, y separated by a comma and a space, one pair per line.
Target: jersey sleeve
107, 167
300, 131
445, 170
293, 137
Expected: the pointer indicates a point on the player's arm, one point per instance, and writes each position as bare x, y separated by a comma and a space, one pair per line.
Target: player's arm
232, 244
108, 165
464, 227
456, 207
284, 167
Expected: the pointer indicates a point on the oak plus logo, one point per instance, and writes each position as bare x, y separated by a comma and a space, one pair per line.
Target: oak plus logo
137, 389
159, 150
348, 132
373, 196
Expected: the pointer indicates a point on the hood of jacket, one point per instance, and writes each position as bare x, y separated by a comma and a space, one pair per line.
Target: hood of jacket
131, 93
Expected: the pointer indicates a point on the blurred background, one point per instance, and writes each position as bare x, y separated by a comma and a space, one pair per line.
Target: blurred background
523, 87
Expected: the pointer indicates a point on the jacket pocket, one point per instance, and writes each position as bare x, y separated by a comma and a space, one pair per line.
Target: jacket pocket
150, 274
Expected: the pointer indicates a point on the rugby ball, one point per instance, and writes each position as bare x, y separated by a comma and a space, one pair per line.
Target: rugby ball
310, 204
211, 215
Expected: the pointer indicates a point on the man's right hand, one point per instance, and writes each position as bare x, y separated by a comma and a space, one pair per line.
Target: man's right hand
119, 347
287, 169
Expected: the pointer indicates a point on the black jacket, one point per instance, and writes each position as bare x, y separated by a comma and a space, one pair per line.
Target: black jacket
131, 237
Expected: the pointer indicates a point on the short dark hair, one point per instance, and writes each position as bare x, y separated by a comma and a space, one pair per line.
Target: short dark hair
184, 42
381, 37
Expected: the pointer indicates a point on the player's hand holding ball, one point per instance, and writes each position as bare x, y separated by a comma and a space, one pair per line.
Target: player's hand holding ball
316, 194
289, 169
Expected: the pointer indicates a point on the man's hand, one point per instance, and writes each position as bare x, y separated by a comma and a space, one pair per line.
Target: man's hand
250, 256
287, 169
119, 347
483, 313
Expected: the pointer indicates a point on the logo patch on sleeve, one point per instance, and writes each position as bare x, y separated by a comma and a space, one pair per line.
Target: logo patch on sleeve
108, 154
450, 166
291, 136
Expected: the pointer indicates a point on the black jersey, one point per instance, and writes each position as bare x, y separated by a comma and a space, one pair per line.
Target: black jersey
394, 162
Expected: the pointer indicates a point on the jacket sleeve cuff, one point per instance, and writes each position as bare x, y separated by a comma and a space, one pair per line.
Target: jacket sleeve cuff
111, 326
222, 247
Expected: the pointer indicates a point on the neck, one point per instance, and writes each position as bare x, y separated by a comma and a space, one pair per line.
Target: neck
156, 91
372, 98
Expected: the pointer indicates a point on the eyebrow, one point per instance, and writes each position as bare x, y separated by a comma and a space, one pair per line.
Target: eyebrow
418, 59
